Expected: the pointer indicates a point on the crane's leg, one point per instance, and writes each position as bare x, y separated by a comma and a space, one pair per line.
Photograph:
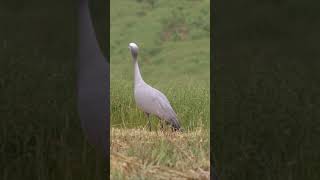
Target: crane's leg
149, 122
161, 124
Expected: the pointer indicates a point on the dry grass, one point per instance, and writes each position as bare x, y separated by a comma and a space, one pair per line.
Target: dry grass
140, 154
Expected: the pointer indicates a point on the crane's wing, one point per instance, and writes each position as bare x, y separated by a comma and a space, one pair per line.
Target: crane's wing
165, 110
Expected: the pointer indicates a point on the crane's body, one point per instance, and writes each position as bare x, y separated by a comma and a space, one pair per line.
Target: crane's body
150, 100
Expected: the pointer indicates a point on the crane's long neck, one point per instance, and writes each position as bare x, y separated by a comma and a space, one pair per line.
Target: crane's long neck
137, 75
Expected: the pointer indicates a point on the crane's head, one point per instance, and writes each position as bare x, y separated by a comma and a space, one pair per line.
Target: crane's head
134, 50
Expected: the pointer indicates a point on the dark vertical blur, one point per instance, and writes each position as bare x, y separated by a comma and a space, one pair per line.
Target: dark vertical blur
266, 84
40, 131
100, 18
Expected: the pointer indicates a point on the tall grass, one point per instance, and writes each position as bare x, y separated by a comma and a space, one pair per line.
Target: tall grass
191, 103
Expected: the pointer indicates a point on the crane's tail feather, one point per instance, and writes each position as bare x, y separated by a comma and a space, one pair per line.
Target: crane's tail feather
175, 124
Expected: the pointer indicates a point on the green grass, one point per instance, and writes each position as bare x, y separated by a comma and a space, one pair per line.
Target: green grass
174, 57
192, 105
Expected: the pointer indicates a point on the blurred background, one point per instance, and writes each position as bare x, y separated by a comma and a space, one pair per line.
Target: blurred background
266, 83
40, 132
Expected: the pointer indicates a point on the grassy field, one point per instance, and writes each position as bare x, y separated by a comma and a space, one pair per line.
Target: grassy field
174, 58
165, 155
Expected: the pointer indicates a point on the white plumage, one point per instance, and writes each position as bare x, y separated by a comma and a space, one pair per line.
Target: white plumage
149, 99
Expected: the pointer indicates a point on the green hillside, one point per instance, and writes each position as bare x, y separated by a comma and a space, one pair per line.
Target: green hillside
173, 36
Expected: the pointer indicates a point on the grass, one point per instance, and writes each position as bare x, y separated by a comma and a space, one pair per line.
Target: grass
165, 155
174, 58
192, 105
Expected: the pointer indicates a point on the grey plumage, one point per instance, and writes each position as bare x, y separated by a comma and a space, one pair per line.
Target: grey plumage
149, 99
